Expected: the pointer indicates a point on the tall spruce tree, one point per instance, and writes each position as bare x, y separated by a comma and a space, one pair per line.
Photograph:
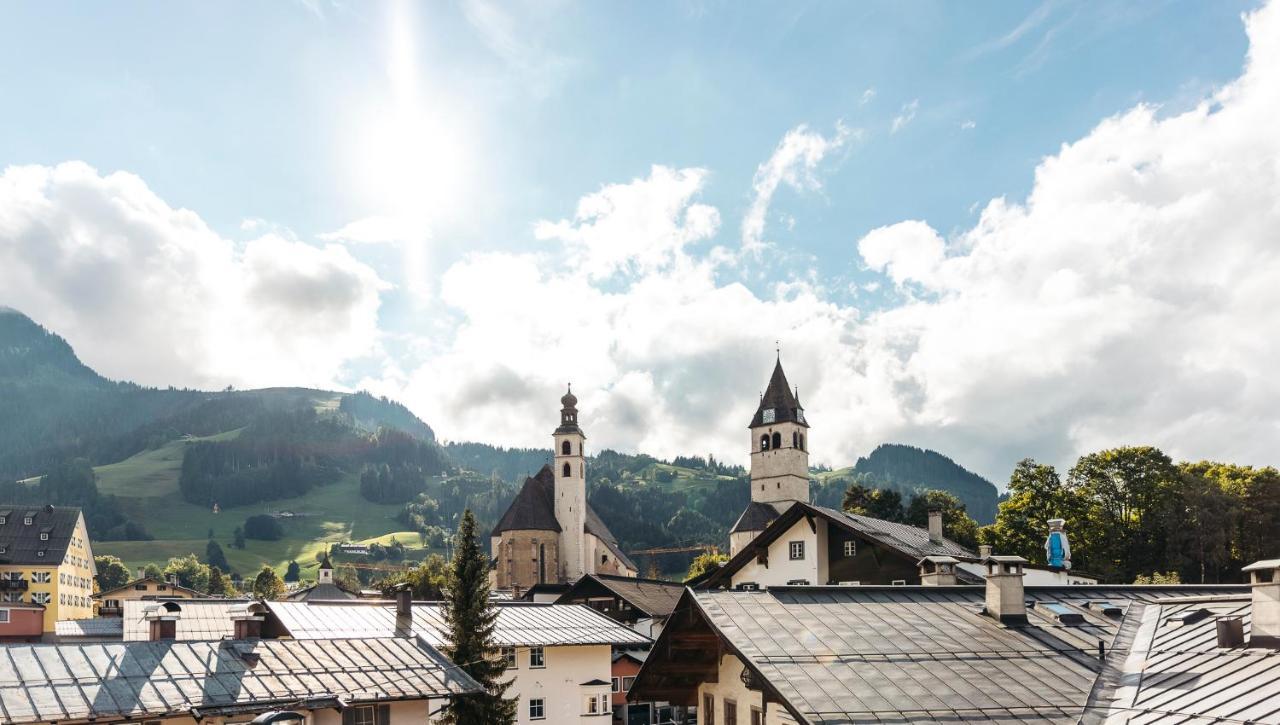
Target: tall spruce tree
471, 618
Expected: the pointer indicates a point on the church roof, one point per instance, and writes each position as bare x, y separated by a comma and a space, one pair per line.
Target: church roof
533, 508
756, 516
779, 398
595, 526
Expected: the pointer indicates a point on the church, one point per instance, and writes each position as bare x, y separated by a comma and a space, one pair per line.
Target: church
550, 534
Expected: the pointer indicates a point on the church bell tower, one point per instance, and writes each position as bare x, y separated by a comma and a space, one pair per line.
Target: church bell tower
571, 489
779, 444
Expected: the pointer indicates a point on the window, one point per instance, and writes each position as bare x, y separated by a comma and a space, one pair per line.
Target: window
757, 716
597, 704
777, 440
617, 684
566, 471
566, 448
26, 521
140, 587
797, 582
41, 597
627, 682
850, 548
363, 716
764, 442
795, 439
4, 520
40, 553
41, 577
537, 708
797, 550
4, 615
509, 654
708, 714
802, 437
748, 587
44, 536
730, 712
537, 657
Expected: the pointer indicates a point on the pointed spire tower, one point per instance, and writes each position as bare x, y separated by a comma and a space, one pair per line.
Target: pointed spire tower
571, 488
779, 458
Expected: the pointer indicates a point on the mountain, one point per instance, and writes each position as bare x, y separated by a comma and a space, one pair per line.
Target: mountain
910, 469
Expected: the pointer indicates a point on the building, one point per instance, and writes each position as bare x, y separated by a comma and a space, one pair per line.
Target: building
144, 588
21, 622
779, 459
325, 589
375, 681
559, 655
996, 652
46, 559
642, 604
194, 619
550, 534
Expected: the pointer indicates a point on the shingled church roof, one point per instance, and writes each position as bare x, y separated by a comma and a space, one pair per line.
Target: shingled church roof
533, 508
779, 398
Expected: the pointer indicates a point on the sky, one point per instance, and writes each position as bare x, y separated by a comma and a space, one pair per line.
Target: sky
998, 230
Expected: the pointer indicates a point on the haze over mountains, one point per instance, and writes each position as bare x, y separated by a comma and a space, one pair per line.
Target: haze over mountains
358, 466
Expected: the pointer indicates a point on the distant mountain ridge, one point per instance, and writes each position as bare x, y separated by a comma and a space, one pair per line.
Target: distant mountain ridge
909, 467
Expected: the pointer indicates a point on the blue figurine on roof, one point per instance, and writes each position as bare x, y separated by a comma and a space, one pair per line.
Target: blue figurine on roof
1056, 548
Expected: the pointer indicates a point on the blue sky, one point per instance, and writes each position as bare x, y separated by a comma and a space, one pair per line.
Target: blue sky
468, 124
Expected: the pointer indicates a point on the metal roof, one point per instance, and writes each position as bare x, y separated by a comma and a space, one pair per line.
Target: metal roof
97, 627
321, 592
910, 540
1177, 673
136, 680
651, 597
519, 623
908, 654
197, 618
20, 542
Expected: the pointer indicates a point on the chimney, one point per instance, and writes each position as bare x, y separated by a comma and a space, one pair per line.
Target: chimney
247, 619
142, 573
404, 609
984, 551
163, 620
1264, 578
1005, 600
938, 570
935, 525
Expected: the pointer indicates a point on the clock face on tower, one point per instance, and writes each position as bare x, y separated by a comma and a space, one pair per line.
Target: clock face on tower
767, 415
800, 414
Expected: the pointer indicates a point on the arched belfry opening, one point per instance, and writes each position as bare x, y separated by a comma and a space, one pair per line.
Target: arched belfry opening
777, 440
764, 442
566, 448
567, 471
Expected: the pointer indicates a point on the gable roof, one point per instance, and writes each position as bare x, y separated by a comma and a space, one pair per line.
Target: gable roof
20, 543
594, 525
198, 619
756, 516
778, 396
320, 592
109, 628
911, 542
144, 680
519, 623
651, 597
154, 580
533, 508
901, 654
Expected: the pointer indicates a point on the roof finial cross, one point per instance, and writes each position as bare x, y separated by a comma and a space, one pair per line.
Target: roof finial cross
777, 347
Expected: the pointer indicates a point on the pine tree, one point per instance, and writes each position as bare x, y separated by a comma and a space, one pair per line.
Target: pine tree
217, 583
293, 572
471, 619
239, 538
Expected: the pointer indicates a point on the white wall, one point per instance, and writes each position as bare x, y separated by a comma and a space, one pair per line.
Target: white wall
1034, 577
560, 682
730, 687
781, 569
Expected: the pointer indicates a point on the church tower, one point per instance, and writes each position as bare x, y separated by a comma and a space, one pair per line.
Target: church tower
571, 489
779, 459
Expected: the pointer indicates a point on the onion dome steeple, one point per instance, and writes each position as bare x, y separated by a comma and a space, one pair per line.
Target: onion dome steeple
569, 413
778, 404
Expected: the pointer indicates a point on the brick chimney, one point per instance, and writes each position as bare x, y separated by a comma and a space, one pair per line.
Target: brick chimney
162, 620
935, 525
1264, 579
938, 570
1005, 600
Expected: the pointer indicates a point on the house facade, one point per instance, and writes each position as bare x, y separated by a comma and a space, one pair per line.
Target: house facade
46, 559
550, 534
144, 588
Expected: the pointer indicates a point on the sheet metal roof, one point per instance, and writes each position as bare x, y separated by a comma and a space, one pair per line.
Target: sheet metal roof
197, 618
519, 623
652, 597
97, 627
321, 592
21, 544
1176, 672
910, 540
913, 654
42, 683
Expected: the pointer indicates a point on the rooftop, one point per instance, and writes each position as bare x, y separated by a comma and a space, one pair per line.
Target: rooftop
20, 542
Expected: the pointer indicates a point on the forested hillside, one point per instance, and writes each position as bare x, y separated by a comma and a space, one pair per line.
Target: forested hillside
908, 470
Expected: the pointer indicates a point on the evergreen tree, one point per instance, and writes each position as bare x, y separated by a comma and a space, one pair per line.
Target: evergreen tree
267, 584
214, 556
217, 582
470, 619
239, 538
293, 572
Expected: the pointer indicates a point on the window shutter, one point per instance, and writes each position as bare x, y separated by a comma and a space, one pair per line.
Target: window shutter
383, 715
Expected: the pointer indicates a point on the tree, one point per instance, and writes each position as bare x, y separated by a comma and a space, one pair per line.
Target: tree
1035, 495
190, 572
470, 619
293, 572
214, 556
705, 562
263, 527
218, 584
238, 541
267, 584
857, 499
956, 523
153, 571
690, 527
426, 580
112, 572
886, 504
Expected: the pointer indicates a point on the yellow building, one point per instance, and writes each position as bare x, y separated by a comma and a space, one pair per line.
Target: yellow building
45, 558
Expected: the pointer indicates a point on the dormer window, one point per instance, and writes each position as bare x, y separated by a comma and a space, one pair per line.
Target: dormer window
26, 521
44, 536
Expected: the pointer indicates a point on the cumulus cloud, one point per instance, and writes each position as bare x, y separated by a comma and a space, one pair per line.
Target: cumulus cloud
150, 293
794, 162
905, 116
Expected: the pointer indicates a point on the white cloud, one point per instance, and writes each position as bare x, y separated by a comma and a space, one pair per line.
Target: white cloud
909, 251
794, 162
150, 293
377, 230
968, 125
867, 96
905, 116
